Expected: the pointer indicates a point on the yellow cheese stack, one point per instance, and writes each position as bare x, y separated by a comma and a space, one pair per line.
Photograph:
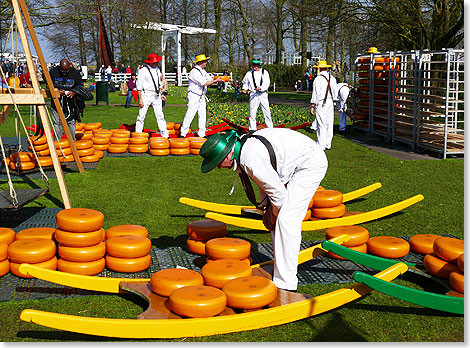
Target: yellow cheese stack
128, 253
22, 161
101, 141
159, 146
200, 231
7, 235
328, 204
80, 236
119, 141
179, 147
4, 263
195, 144
177, 128
39, 252
139, 142
358, 237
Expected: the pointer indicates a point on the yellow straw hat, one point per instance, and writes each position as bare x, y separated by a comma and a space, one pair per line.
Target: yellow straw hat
201, 58
322, 64
372, 50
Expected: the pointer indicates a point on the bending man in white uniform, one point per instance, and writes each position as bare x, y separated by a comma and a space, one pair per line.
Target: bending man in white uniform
149, 90
285, 192
345, 90
322, 106
257, 81
198, 80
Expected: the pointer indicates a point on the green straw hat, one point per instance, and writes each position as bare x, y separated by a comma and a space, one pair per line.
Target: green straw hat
215, 149
256, 61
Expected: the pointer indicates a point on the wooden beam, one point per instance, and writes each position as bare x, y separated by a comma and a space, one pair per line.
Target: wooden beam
22, 99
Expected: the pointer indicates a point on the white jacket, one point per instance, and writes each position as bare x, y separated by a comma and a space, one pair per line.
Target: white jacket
249, 85
319, 88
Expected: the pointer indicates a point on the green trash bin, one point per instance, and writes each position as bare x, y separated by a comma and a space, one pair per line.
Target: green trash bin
102, 89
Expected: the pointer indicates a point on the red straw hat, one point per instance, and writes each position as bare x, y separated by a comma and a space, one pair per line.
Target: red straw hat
153, 58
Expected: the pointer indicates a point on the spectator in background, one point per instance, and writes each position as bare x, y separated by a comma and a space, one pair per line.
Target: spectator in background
25, 78
103, 73
307, 80
128, 70
164, 90
115, 70
109, 71
131, 90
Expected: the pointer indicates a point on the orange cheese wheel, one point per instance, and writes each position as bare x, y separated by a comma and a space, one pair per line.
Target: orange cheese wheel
94, 131
82, 254
196, 144
79, 126
44, 153
388, 247
179, 152
195, 139
140, 135
22, 165
327, 199
448, 249
67, 158
329, 213
7, 235
101, 147
4, 267
119, 140
228, 248
438, 267
84, 268
3, 251
87, 136
247, 260
123, 265
86, 152
138, 148
64, 152
79, 219
159, 152
103, 134
170, 125
39, 147
219, 272
139, 141
194, 151
357, 235
128, 246
117, 148
206, 229
92, 125
197, 247
44, 161
121, 230
31, 250
83, 144
121, 134
179, 143
460, 263
250, 292
36, 232
160, 146
457, 280
48, 264
38, 140
422, 243
22, 156
308, 215
177, 126
197, 301
61, 144
362, 248
164, 282
99, 153
100, 141
90, 159
156, 140
79, 239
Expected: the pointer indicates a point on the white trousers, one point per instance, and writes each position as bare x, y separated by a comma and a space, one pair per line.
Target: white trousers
342, 116
323, 123
151, 98
257, 99
196, 103
287, 235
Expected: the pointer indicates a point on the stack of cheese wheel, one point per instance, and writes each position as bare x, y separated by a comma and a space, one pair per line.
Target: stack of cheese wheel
86, 151
177, 128
328, 204
122, 230
423, 243
228, 248
358, 237
179, 147
42, 149
164, 282
444, 260
64, 151
90, 127
388, 247
39, 252
22, 161
200, 231
128, 253
119, 141
195, 144
170, 126
250, 292
7, 236
308, 215
101, 140
80, 236
159, 146
139, 142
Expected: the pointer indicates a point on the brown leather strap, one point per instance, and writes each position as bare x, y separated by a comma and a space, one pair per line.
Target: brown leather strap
328, 88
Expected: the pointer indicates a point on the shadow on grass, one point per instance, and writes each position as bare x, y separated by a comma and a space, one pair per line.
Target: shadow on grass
64, 336
344, 332
421, 311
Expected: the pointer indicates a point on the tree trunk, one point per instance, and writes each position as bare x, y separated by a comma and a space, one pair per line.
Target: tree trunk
218, 21
331, 31
245, 34
279, 30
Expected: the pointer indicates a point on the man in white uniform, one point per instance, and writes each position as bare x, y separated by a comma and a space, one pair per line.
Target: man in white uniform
322, 106
149, 90
344, 91
257, 81
287, 183
198, 80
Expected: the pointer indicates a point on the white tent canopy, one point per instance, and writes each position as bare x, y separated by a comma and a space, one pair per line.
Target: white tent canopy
175, 31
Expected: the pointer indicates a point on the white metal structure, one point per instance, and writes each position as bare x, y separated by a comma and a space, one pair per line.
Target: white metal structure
172, 30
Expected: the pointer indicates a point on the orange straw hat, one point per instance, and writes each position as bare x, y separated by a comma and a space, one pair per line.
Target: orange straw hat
153, 58
322, 64
200, 58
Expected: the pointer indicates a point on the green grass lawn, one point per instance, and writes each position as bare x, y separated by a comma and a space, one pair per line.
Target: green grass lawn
145, 191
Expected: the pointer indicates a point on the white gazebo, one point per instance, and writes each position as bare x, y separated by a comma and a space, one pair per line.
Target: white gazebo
172, 30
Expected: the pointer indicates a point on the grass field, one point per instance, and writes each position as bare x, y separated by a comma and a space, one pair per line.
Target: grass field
145, 191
